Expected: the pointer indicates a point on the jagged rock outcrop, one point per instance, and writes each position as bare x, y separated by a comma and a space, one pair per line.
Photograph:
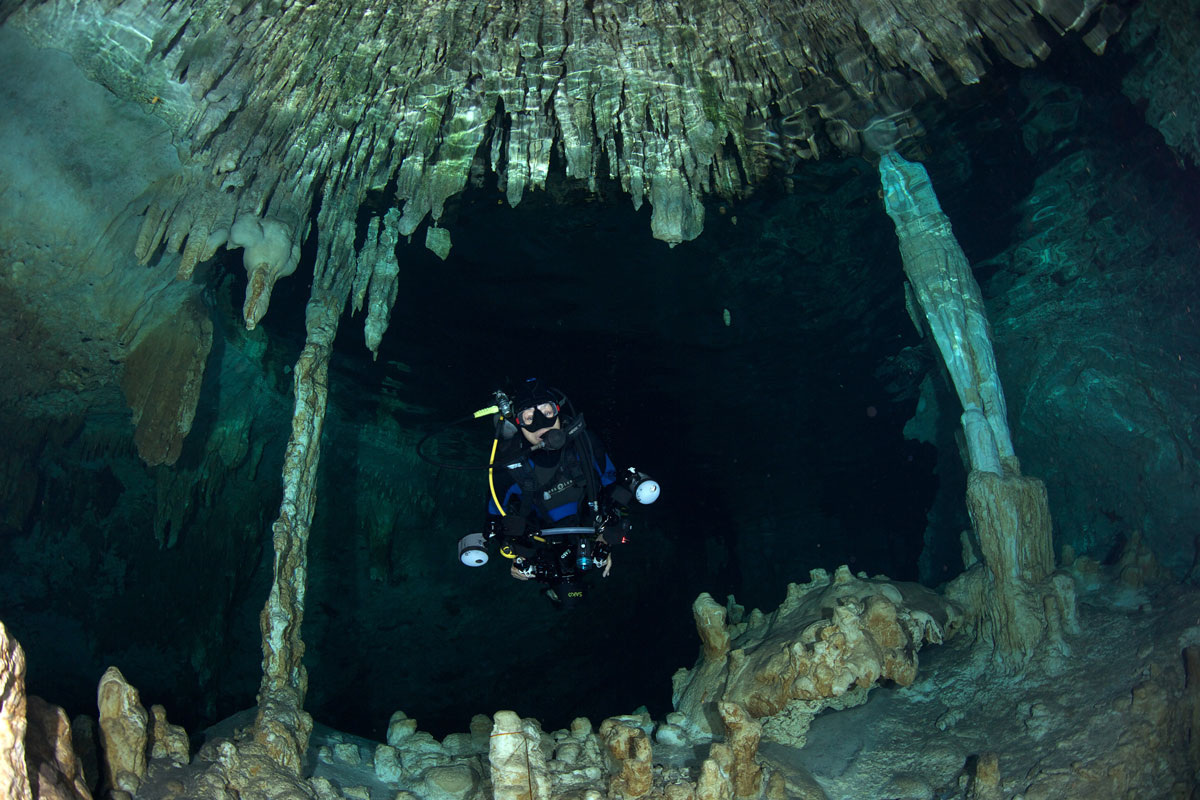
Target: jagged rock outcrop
14, 775
829, 637
50, 753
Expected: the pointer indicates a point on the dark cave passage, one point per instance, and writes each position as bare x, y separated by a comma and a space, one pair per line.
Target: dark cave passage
777, 439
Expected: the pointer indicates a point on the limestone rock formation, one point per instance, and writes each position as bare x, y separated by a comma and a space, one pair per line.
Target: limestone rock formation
1164, 80
631, 751
1085, 334
1010, 513
518, 763
410, 96
742, 735
167, 741
282, 725
224, 768
829, 637
50, 753
37, 755
14, 775
162, 380
72, 298
124, 732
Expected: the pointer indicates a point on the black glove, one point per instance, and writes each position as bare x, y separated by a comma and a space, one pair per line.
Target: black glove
493, 527
615, 529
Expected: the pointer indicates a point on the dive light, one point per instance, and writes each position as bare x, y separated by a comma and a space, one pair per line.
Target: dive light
472, 550
644, 488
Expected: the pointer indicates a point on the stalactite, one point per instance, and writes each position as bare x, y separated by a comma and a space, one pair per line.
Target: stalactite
942, 283
272, 102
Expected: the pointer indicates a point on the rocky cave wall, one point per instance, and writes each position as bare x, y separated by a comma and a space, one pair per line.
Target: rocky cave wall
1093, 304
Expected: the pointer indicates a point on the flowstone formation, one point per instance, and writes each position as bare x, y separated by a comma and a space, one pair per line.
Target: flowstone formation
827, 644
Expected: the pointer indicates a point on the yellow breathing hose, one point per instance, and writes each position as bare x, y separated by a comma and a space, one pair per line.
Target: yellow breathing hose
491, 479
504, 551
483, 412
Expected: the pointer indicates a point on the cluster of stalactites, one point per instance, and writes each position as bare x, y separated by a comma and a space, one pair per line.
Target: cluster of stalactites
281, 105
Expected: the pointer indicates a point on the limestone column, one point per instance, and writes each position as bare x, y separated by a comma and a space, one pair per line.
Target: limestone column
282, 726
1009, 512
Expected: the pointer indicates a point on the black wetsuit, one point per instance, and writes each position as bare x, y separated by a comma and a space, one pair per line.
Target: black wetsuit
550, 488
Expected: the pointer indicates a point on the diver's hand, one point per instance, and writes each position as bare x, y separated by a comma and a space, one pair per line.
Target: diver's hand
518, 574
608, 559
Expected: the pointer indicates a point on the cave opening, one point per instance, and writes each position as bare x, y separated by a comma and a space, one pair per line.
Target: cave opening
762, 373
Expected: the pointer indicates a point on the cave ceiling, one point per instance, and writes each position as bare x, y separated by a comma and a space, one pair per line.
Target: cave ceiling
292, 117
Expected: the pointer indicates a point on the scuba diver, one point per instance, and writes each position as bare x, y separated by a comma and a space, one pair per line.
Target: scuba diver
557, 504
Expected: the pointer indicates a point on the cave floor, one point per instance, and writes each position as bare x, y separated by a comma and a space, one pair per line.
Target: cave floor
1106, 721
1111, 719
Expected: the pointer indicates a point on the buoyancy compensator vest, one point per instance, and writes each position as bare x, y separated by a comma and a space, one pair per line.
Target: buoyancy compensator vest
557, 483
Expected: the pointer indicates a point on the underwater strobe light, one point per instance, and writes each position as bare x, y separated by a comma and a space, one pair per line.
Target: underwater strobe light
471, 550
644, 488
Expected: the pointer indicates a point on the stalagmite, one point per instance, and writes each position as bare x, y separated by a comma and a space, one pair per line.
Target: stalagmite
167, 740
631, 751
53, 766
124, 732
517, 762
742, 734
1009, 511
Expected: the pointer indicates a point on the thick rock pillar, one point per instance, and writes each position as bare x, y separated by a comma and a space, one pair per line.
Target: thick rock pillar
1009, 512
282, 726
518, 765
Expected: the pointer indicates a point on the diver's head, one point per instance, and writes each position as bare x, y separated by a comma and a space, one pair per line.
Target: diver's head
537, 410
